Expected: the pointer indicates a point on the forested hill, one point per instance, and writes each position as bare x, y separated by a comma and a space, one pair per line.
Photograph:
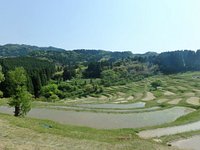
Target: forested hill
60, 55
64, 57
168, 62
14, 50
178, 61
77, 56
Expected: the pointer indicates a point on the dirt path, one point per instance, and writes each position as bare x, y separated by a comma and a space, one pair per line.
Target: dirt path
170, 130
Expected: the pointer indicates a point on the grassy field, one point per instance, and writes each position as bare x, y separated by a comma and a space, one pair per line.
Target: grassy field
26, 133
175, 90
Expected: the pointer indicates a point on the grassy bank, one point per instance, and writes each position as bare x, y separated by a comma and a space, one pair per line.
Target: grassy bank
106, 139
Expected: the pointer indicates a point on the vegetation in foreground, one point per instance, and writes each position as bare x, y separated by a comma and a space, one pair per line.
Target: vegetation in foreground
56, 136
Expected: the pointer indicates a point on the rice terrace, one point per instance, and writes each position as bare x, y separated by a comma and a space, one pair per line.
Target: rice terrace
100, 75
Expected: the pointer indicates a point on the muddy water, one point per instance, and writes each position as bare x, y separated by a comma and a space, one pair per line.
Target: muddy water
192, 143
106, 120
114, 106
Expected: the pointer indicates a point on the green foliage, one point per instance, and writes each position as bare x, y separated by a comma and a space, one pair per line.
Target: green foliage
68, 73
109, 77
74, 88
168, 62
49, 90
156, 84
53, 98
75, 57
126, 70
179, 61
13, 50
1, 94
65, 87
2, 78
21, 99
38, 71
93, 70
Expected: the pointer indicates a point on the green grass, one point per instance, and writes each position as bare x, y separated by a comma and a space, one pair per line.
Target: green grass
3, 101
170, 138
126, 137
192, 117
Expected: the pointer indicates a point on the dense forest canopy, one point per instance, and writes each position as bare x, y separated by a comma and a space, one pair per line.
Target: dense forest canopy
38, 71
179, 61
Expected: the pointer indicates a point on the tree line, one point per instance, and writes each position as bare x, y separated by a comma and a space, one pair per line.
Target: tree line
178, 61
39, 72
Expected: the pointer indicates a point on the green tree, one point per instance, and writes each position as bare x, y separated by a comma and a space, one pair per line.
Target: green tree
21, 98
109, 77
156, 84
53, 98
2, 78
1, 75
93, 70
49, 90
68, 73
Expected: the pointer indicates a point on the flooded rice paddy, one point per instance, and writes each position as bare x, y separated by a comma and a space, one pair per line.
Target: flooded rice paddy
114, 106
170, 130
106, 120
191, 143
105, 110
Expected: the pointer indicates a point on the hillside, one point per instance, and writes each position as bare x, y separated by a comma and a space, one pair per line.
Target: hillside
168, 62
14, 50
62, 56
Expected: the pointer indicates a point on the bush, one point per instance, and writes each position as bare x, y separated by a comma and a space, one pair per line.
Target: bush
53, 98
65, 87
109, 77
156, 84
49, 90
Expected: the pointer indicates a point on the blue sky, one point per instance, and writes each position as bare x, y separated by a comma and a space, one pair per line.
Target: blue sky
133, 25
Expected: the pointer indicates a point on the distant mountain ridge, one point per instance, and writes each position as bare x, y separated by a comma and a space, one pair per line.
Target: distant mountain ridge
168, 62
61, 56
14, 50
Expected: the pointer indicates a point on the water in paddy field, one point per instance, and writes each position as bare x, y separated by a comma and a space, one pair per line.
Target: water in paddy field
114, 106
106, 120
